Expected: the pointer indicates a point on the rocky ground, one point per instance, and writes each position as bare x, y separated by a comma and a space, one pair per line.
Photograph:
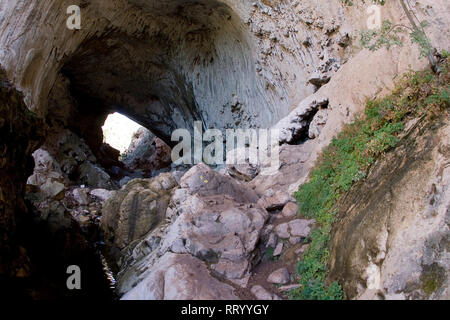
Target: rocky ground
159, 229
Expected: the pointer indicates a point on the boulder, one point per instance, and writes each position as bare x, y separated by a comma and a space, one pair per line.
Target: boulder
147, 153
45, 167
282, 231
205, 182
300, 227
180, 277
136, 209
217, 220
239, 165
272, 241
262, 294
94, 177
289, 287
52, 189
102, 194
275, 201
278, 249
290, 210
280, 276
81, 196
295, 240
210, 217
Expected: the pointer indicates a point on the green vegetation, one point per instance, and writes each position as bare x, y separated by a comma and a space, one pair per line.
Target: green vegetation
387, 36
432, 278
269, 254
349, 157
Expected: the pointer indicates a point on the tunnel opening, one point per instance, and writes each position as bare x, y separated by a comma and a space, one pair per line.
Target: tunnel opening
118, 131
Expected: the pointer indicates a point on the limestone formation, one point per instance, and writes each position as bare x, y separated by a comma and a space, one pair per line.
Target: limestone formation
210, 217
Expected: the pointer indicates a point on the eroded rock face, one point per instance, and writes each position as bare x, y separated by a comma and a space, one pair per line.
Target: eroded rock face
391, 240
226, 62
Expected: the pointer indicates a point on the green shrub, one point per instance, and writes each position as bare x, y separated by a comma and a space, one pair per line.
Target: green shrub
347, 160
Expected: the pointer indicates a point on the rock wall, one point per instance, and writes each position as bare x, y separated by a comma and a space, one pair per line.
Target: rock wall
391, 240
164, 65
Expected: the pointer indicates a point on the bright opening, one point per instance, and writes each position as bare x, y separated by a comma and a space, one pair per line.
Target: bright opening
118, 131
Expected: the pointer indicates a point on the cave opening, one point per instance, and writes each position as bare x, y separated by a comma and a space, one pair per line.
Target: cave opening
119, 130
190, 61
